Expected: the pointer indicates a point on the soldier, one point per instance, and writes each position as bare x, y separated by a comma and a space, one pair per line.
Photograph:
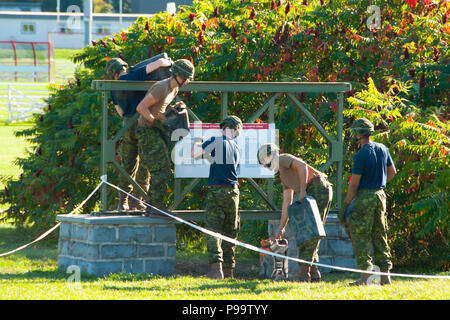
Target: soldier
151, 134
372, 169
301, 179
222, 199
125, 103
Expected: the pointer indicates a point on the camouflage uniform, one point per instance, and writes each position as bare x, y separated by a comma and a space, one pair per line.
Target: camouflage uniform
154, 157
222, 206
368, 227
367, 223
322, 191
128, 151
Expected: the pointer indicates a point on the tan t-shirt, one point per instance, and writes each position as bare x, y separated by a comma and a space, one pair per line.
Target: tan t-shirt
163, 95
289, 176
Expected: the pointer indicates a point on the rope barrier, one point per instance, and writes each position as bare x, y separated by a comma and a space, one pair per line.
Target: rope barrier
251, 247
228, 239
42, 236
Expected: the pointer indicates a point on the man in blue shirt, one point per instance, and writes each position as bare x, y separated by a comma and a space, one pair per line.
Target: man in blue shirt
372, 169
222, 198
125, 103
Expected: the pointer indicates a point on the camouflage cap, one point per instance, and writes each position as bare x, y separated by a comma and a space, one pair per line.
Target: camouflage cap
183, 68
113, 67
362, 126
232, 122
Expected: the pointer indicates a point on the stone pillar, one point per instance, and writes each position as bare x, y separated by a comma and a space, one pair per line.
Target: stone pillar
335, 249
101, 245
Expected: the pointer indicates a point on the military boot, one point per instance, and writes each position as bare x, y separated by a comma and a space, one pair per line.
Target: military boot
385, 280
136, 205
303, 274
154, 213
362, 281
228, 272
123, 202
315, 274
215, 271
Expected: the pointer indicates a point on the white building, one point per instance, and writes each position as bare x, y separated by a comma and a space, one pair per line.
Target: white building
64, 30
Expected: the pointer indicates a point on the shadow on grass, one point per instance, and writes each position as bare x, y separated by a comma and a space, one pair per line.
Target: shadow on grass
55, 275
12, 238
229, 286
35, 274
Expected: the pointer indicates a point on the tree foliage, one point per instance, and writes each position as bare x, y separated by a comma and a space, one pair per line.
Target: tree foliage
269, 40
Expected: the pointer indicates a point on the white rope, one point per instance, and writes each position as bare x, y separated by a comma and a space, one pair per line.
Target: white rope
251, 247
42, 236
228, 239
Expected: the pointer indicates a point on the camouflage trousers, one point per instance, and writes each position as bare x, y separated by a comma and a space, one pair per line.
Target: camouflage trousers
322, 191
222, 216
368, 230
154, 157
128, 151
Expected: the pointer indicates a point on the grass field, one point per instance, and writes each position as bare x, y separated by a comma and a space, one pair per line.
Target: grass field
33, 274
12, 147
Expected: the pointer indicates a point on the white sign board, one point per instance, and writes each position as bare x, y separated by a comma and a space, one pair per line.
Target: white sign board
252, 137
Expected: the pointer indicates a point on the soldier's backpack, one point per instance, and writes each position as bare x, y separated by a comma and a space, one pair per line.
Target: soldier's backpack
305, 220
158, 74
271, 267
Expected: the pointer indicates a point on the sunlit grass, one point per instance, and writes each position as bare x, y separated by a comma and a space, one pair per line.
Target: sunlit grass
33, 274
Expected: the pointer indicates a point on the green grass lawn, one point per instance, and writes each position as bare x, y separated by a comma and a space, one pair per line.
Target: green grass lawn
33, 274
12, 147
65, 54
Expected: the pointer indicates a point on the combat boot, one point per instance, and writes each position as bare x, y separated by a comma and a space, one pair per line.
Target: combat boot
228, 272
153, 213
215, 271
362, 281
303, 274
123, 202
136, 205
385, 280
315, 274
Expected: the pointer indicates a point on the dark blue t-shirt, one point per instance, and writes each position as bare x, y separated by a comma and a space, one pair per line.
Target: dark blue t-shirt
225, 154
371, 163
129, 100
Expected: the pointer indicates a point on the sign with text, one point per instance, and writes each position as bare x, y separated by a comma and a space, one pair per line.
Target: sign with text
251, 138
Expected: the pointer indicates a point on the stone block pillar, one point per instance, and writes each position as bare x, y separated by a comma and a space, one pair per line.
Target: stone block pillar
101, 245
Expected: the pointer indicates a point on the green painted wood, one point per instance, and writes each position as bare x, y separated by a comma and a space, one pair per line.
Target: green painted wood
230, 86
225, 87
